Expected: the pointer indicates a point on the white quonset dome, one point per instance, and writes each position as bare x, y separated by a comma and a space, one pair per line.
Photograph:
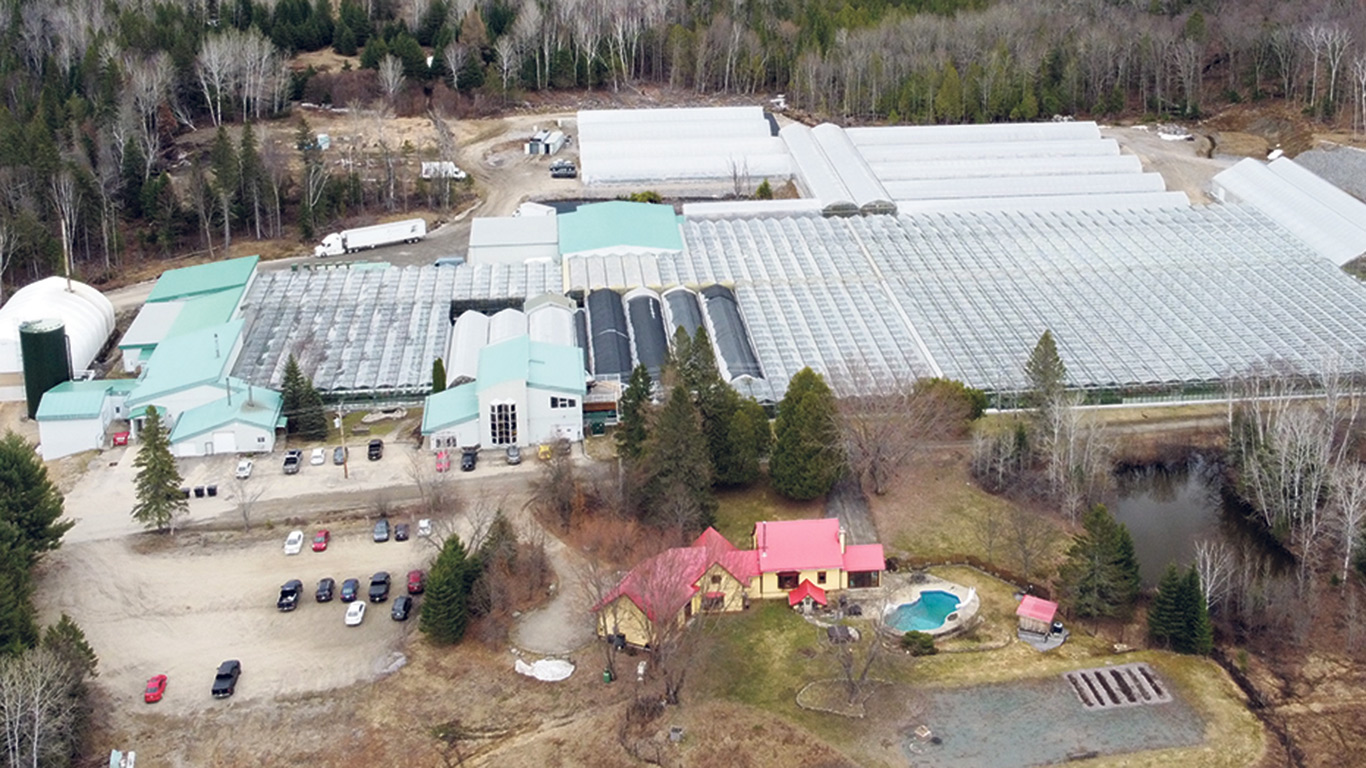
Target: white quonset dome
86, 313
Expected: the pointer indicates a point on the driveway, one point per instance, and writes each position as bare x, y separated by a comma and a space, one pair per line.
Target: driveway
847, 502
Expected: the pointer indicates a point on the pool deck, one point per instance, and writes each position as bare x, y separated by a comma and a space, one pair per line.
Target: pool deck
969, 602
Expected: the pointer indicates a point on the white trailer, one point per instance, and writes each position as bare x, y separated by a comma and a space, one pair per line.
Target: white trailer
352, 240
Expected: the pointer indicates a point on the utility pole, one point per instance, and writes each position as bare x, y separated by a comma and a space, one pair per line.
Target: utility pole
346, 452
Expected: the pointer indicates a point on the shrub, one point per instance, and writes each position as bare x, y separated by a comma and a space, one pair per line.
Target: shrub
918, 643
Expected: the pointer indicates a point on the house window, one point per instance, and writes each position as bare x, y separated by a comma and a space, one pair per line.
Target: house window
503, 423
563, 402
820, 577
716, 580
787, 579
261, 440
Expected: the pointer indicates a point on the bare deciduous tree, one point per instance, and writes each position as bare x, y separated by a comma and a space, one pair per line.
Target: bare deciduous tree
1214, 563
391, 76
66, 199
455, 55
1029, 537
883, 432
1347, 510
247, 495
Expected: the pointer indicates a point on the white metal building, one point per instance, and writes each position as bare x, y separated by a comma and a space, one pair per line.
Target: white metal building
1328, 219
514, 239
86, 313
700, 144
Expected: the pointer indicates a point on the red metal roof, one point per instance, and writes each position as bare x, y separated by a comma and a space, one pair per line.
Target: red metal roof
798, 545
712, 539
1032, 607
864, 557
661, 585
806, 588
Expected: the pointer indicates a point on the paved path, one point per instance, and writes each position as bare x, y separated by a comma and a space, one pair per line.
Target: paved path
563, 625
847, 502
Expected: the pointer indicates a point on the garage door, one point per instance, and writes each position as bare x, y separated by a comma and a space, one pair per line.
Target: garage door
224, 442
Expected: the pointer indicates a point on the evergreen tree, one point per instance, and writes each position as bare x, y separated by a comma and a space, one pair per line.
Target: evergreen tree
17, 628
1199, 629
312, 415
1164, 615
1100, 577
948, 100
158, 481
764, 192
438, 376
251, 182
750, 439
67, 639
1046, 373
633, 415
677, 468
344, 40
29, 503
292, 395
375, 51
500, 543
807, 459
223, 163
445, 609
131, 178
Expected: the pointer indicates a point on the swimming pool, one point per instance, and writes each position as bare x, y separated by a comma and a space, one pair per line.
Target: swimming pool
925, 614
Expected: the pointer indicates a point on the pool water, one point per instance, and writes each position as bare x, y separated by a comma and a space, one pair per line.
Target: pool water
926, 613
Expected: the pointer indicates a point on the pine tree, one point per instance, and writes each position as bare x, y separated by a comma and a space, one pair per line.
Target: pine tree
633, 415
750, 439
1046, 373
17, 628
251, 177
223, 163
764, 192
131, 178
1196, 633
807, 459
717, 403
29, 502
344, 40
158, 480
292, 395
67, 639
445, 609
1100, 577
948, 100
438, 376
677, 468
312, 415
1164, 616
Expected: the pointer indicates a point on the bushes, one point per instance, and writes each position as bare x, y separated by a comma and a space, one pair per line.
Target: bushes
918, 643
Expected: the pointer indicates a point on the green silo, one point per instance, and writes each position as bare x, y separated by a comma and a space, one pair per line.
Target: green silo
47, 363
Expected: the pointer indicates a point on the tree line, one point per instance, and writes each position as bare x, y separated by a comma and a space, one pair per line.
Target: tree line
44, 704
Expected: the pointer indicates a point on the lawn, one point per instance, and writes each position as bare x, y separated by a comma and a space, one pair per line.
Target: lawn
740, 509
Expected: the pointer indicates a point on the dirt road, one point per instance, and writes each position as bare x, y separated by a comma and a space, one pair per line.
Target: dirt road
1180, 163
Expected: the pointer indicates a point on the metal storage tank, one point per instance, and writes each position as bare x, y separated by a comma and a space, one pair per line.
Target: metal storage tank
47, 363
647, 329
611, 342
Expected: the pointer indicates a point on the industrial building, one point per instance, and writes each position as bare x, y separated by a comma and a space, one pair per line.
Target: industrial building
67, 323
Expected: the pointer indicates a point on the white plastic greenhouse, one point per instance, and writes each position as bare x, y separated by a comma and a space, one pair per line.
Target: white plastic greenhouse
86, 313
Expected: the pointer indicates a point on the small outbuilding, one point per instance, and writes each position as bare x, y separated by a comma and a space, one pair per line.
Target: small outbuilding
1036, 615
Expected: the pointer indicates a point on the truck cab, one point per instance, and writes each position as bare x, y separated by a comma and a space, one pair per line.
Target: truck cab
332, 245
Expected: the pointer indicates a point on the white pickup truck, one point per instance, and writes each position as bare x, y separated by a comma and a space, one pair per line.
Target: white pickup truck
352, 240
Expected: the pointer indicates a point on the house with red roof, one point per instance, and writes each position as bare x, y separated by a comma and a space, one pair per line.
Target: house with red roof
803, 557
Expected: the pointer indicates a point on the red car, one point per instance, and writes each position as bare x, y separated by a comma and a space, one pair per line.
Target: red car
155, 688
417, 582
320, 540
443, 461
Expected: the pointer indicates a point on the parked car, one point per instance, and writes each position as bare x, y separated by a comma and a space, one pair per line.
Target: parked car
443, 461
375, 451
563, 169
339, 455
321, 539
417, 582
319, 457
156, 688
402, 606
424, 527
326, 586
225, 681
244, 468
289, 595
544, 452
294, 542
468, 461
401, 532
514, 455
355, 614
381, 531
350, 590
379, 587
292, 461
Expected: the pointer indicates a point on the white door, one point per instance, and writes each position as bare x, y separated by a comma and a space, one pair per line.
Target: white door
224, 442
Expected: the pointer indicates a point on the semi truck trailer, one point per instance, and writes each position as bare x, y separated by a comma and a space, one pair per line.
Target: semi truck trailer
352, 240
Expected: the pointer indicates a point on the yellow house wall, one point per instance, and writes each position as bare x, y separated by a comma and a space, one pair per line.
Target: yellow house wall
834, 579
622, 616
730, 586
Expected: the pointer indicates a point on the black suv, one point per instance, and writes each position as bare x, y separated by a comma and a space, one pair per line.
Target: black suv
376, 450
563, 169
289, 595
350, 590
225, 682
325, 589
403, 605
379, 587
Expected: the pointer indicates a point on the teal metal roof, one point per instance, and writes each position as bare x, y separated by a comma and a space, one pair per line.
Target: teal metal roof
456, 405
261, 410
620, 224
544, 366
208, 310
181, 362
203, 278
80, 399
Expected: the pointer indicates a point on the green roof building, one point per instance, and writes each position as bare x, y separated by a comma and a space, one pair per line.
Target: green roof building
620, 227
200, 279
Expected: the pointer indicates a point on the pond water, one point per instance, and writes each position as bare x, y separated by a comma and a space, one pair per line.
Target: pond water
1169, 507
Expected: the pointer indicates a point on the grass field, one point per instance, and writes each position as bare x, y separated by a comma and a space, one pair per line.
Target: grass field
740, 509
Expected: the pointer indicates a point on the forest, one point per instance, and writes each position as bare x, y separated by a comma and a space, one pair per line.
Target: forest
99, 94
